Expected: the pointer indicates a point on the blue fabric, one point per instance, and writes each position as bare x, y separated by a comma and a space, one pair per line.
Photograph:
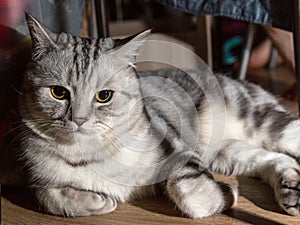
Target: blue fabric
276, 13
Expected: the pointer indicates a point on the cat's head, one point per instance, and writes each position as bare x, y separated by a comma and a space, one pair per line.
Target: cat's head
77, 86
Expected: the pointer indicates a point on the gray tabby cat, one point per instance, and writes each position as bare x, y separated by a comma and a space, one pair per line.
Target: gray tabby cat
96, 133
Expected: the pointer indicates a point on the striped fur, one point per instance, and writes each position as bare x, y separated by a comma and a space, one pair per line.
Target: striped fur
161, 127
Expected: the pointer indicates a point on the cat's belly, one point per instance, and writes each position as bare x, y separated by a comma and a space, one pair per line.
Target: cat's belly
223, 124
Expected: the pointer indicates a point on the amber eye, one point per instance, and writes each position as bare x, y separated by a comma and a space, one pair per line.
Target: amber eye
104, 96
59, 92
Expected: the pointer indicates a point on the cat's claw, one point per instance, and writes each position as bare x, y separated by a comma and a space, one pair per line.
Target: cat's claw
97, 204
289, 196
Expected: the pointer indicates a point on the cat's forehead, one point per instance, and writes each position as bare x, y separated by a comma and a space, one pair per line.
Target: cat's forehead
79, 60
83, 74
87, 45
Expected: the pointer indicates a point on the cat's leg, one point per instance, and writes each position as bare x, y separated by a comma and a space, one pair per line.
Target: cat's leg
197, 194
71, 202
281, 171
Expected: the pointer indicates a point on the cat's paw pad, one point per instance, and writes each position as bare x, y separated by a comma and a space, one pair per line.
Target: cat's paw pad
289, 196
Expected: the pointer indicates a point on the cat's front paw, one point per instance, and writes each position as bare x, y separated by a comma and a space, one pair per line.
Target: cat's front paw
289, 196
71, 202
90, 203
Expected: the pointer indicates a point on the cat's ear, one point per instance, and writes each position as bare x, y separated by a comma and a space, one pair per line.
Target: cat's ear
128, 48
42, 39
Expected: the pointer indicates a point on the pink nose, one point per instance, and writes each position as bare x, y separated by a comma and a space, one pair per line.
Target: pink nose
79, 121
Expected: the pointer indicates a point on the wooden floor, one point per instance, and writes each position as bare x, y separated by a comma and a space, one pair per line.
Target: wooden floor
256, 204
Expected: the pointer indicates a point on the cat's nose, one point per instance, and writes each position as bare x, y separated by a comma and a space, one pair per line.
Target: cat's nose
79, 121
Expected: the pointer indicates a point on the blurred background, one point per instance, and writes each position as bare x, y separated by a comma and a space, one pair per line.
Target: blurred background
218, 41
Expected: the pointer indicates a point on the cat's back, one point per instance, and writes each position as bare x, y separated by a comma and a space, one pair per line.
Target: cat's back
173, 85
173, 99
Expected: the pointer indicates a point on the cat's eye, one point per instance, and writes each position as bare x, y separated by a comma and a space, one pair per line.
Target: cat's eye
104, 96
59, 92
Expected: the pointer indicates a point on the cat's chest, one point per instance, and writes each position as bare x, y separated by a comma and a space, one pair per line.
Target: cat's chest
117, 173
107, 177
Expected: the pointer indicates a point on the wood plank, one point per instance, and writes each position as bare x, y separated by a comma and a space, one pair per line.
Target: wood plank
256, 205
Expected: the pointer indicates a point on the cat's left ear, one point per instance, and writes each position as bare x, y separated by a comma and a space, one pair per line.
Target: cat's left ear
128, 48
43, 39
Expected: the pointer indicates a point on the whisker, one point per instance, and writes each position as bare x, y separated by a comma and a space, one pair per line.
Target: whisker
26, 131
110, 132
16, 90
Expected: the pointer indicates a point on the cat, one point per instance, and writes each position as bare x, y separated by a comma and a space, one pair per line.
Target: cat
95, 132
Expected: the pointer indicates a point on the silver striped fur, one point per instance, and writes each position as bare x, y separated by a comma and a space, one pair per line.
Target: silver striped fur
154, 131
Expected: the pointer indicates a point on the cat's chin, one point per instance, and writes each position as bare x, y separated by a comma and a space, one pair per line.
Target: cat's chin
81, 132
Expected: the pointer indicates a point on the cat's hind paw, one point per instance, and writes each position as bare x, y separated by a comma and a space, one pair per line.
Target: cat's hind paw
199, 195
289, 196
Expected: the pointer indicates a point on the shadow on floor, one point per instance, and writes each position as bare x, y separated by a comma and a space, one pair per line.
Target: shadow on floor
159, 205
259, 193
249, 218
20, 196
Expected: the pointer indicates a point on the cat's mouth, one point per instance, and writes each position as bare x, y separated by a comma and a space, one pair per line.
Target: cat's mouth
81, 130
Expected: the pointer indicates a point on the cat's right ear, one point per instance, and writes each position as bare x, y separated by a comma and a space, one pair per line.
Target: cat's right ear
42, 39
